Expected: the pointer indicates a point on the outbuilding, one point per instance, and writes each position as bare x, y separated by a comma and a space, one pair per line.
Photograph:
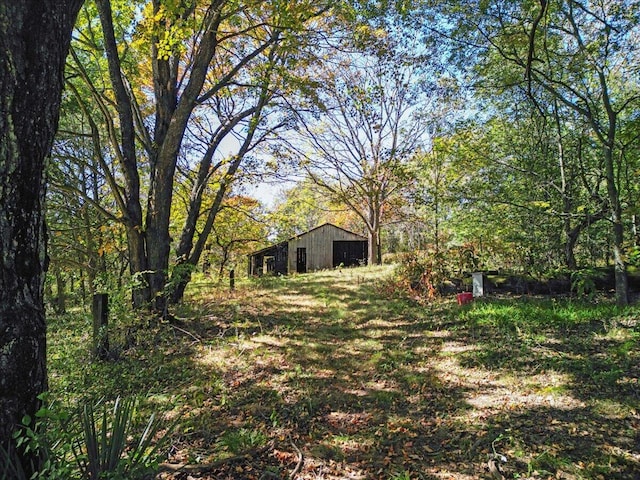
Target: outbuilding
323, 247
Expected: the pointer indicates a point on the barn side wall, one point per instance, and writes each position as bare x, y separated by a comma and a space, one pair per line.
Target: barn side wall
319, 245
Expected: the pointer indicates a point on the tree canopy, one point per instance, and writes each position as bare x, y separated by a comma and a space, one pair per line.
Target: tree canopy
454, 122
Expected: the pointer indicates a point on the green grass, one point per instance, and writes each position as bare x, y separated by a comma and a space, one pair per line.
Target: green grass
371, 384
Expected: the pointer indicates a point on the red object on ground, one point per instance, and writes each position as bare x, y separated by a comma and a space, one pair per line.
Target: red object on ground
464, 298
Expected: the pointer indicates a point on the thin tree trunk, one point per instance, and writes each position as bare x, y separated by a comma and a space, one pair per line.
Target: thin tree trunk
60, 305
571, 235
34, 41
373, 230
186, 251
619, 265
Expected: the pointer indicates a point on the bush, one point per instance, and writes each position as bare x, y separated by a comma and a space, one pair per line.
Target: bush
44, 442
420, 275
583, 283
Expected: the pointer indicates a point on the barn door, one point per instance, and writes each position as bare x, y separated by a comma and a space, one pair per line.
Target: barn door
301, 260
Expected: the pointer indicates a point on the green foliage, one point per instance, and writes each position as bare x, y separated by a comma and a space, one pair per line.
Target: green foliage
109, 449
401, 475
583, 283
37, 440
238, 230
86, 445
181, 272
298, 209
241, 440
633, 256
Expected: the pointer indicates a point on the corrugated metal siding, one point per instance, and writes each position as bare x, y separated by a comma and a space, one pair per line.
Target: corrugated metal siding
319, 245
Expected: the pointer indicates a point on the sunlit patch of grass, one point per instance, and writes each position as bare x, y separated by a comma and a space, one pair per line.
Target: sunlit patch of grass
625, 343
241, 440
553, 390
610, 408
68, 355
528, 316
367, 344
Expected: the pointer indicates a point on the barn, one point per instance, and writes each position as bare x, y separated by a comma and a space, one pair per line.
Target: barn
323, 247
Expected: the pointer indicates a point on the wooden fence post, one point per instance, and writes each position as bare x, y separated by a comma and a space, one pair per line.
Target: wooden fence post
100, 312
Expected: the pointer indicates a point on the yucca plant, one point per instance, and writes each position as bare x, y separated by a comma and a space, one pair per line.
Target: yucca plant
108, 448
10, 468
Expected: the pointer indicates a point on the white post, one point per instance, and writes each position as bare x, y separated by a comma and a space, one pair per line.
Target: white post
478, 284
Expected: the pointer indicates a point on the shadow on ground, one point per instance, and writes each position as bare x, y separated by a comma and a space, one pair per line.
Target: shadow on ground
328, 369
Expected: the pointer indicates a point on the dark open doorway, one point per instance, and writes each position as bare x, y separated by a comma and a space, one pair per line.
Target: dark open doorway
301, 260
349, 253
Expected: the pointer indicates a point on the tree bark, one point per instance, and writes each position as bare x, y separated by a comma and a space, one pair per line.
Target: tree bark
133, 208
373, 231
613, 193
171, 124
186, 252
34, 41
619, 264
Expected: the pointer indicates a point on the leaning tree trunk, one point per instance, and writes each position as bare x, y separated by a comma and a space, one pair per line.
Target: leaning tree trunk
34, 41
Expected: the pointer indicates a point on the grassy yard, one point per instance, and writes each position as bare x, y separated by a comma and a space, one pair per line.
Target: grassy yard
324, 376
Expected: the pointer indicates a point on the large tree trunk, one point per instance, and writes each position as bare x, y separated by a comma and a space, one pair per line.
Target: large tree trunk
619, 265
158, 238
34, 41
373, 245
373, 233
138, 263
172, 116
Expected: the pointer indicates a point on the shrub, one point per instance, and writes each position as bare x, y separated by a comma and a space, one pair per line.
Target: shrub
583, 283
46, 446
420, 275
